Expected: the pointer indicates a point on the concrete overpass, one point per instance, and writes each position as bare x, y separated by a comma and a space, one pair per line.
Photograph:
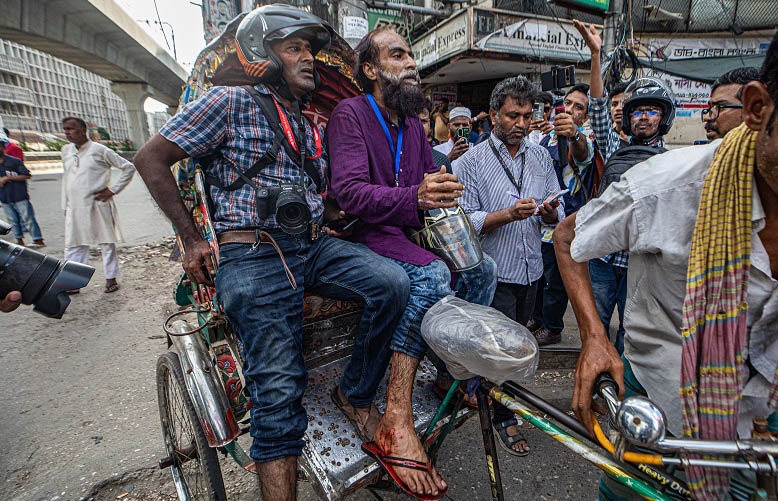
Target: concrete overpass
100, 37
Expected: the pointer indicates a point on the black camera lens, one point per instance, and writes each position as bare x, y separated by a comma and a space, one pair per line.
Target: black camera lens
292, 212
41, 279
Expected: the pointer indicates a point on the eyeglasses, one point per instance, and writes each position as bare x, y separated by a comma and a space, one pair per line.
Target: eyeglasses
648, 113
714, 109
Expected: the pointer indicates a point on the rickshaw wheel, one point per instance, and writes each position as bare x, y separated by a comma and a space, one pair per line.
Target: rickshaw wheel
195, 465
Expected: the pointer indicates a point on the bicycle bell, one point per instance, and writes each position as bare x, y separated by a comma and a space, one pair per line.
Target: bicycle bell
641, 421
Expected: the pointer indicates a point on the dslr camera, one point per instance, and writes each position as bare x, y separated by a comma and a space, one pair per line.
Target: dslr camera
287, 202
41, 279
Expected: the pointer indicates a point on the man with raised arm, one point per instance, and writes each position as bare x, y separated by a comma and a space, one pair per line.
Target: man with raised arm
701, 225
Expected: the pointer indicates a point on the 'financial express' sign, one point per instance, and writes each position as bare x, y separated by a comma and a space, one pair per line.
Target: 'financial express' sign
538, 38
447, 39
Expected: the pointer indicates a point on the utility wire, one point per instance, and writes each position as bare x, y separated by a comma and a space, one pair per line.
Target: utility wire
161, 28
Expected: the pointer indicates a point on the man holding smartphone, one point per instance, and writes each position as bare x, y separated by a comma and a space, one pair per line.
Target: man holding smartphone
459, 120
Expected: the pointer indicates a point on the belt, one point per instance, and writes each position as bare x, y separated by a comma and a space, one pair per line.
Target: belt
256, 237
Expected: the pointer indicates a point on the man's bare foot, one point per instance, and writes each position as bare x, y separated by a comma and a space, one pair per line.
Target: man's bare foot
397, 437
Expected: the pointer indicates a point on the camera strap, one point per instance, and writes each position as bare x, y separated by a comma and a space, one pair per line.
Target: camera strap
396, 153
507, 170
277, 119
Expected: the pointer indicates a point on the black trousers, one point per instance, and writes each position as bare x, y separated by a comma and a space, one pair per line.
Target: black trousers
551, 298
516, 302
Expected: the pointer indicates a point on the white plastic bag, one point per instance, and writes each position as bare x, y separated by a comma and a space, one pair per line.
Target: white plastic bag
475, 340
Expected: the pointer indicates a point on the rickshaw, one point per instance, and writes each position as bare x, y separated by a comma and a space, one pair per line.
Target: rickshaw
204, 406
203, 403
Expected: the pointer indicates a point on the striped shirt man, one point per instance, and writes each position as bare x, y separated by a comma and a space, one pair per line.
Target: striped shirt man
515, 247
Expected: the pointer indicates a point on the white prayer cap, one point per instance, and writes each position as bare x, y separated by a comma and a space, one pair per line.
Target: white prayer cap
460, 111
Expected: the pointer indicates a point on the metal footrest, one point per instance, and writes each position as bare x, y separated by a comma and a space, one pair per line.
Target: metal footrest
332, 459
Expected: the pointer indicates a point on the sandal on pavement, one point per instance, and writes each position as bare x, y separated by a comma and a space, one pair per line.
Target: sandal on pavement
389, 463
364, 428
508, 441
111, 288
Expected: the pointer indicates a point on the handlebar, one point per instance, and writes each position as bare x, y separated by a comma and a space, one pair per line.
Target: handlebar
641, 422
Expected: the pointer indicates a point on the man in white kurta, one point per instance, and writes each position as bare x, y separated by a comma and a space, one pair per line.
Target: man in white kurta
91, 217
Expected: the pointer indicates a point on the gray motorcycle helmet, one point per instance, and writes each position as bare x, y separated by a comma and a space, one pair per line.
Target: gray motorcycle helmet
271, 23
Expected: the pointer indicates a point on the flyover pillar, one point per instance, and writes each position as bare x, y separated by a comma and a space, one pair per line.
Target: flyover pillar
134, 96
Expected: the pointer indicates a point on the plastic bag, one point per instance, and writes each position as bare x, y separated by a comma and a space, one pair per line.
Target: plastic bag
475, 340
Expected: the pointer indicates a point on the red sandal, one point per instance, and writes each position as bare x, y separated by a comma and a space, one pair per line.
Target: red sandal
389, 462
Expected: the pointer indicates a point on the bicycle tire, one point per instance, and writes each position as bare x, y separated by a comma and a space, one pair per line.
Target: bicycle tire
173, 398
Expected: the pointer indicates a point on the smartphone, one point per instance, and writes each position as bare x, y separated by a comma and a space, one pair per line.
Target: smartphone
555, 196
537, 111
463, 133
341, 226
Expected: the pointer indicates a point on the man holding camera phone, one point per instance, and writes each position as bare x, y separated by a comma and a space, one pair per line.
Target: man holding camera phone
263, 269
459, 122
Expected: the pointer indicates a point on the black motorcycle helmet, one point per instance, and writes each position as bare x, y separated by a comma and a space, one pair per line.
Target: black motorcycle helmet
651, 91
269, 23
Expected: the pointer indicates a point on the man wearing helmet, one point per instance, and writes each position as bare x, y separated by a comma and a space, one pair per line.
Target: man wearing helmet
701, 225
236, 134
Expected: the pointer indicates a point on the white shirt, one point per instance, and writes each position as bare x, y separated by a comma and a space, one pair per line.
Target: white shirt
87, 171
446, 148
651, 212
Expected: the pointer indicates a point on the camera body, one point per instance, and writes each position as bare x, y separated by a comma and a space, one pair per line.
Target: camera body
287, 202
41, 279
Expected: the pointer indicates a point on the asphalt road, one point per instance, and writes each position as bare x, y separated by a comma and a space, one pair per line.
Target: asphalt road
139, 217
79, 398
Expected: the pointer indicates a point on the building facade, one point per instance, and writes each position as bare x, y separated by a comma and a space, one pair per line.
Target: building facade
38, 90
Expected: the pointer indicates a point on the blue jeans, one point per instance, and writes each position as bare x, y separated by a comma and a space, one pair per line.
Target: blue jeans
21, 215
477, 285
551, 299
267, 314
609, 284
428, 285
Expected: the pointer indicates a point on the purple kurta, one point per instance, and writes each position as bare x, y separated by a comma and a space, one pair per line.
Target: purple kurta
362, 178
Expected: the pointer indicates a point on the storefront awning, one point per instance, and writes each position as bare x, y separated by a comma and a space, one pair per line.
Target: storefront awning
703, 69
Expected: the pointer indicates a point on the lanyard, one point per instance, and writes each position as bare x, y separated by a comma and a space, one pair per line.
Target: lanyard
396, 153
507, 170
290, 135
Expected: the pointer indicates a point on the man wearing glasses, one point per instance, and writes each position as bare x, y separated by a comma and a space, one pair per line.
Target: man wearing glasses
725, 110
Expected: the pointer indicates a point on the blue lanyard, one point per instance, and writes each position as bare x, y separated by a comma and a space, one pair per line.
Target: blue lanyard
396, 153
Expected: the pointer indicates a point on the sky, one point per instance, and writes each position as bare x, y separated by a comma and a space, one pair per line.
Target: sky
187, 22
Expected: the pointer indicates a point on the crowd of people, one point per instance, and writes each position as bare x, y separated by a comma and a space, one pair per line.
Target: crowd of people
579, 204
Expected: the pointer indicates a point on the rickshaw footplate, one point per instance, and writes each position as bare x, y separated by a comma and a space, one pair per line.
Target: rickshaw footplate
332, 458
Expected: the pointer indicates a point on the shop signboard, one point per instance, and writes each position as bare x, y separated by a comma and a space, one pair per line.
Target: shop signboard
403, 24
445, 40
534, 37
586, 5
691, 96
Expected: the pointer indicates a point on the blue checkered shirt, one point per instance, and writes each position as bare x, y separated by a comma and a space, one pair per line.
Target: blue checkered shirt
227, 122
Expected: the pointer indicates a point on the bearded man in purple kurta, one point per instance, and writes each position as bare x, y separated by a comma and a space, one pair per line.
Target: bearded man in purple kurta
382, 171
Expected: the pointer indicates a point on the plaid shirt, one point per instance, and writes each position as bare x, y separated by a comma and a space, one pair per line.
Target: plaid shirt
227, 122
